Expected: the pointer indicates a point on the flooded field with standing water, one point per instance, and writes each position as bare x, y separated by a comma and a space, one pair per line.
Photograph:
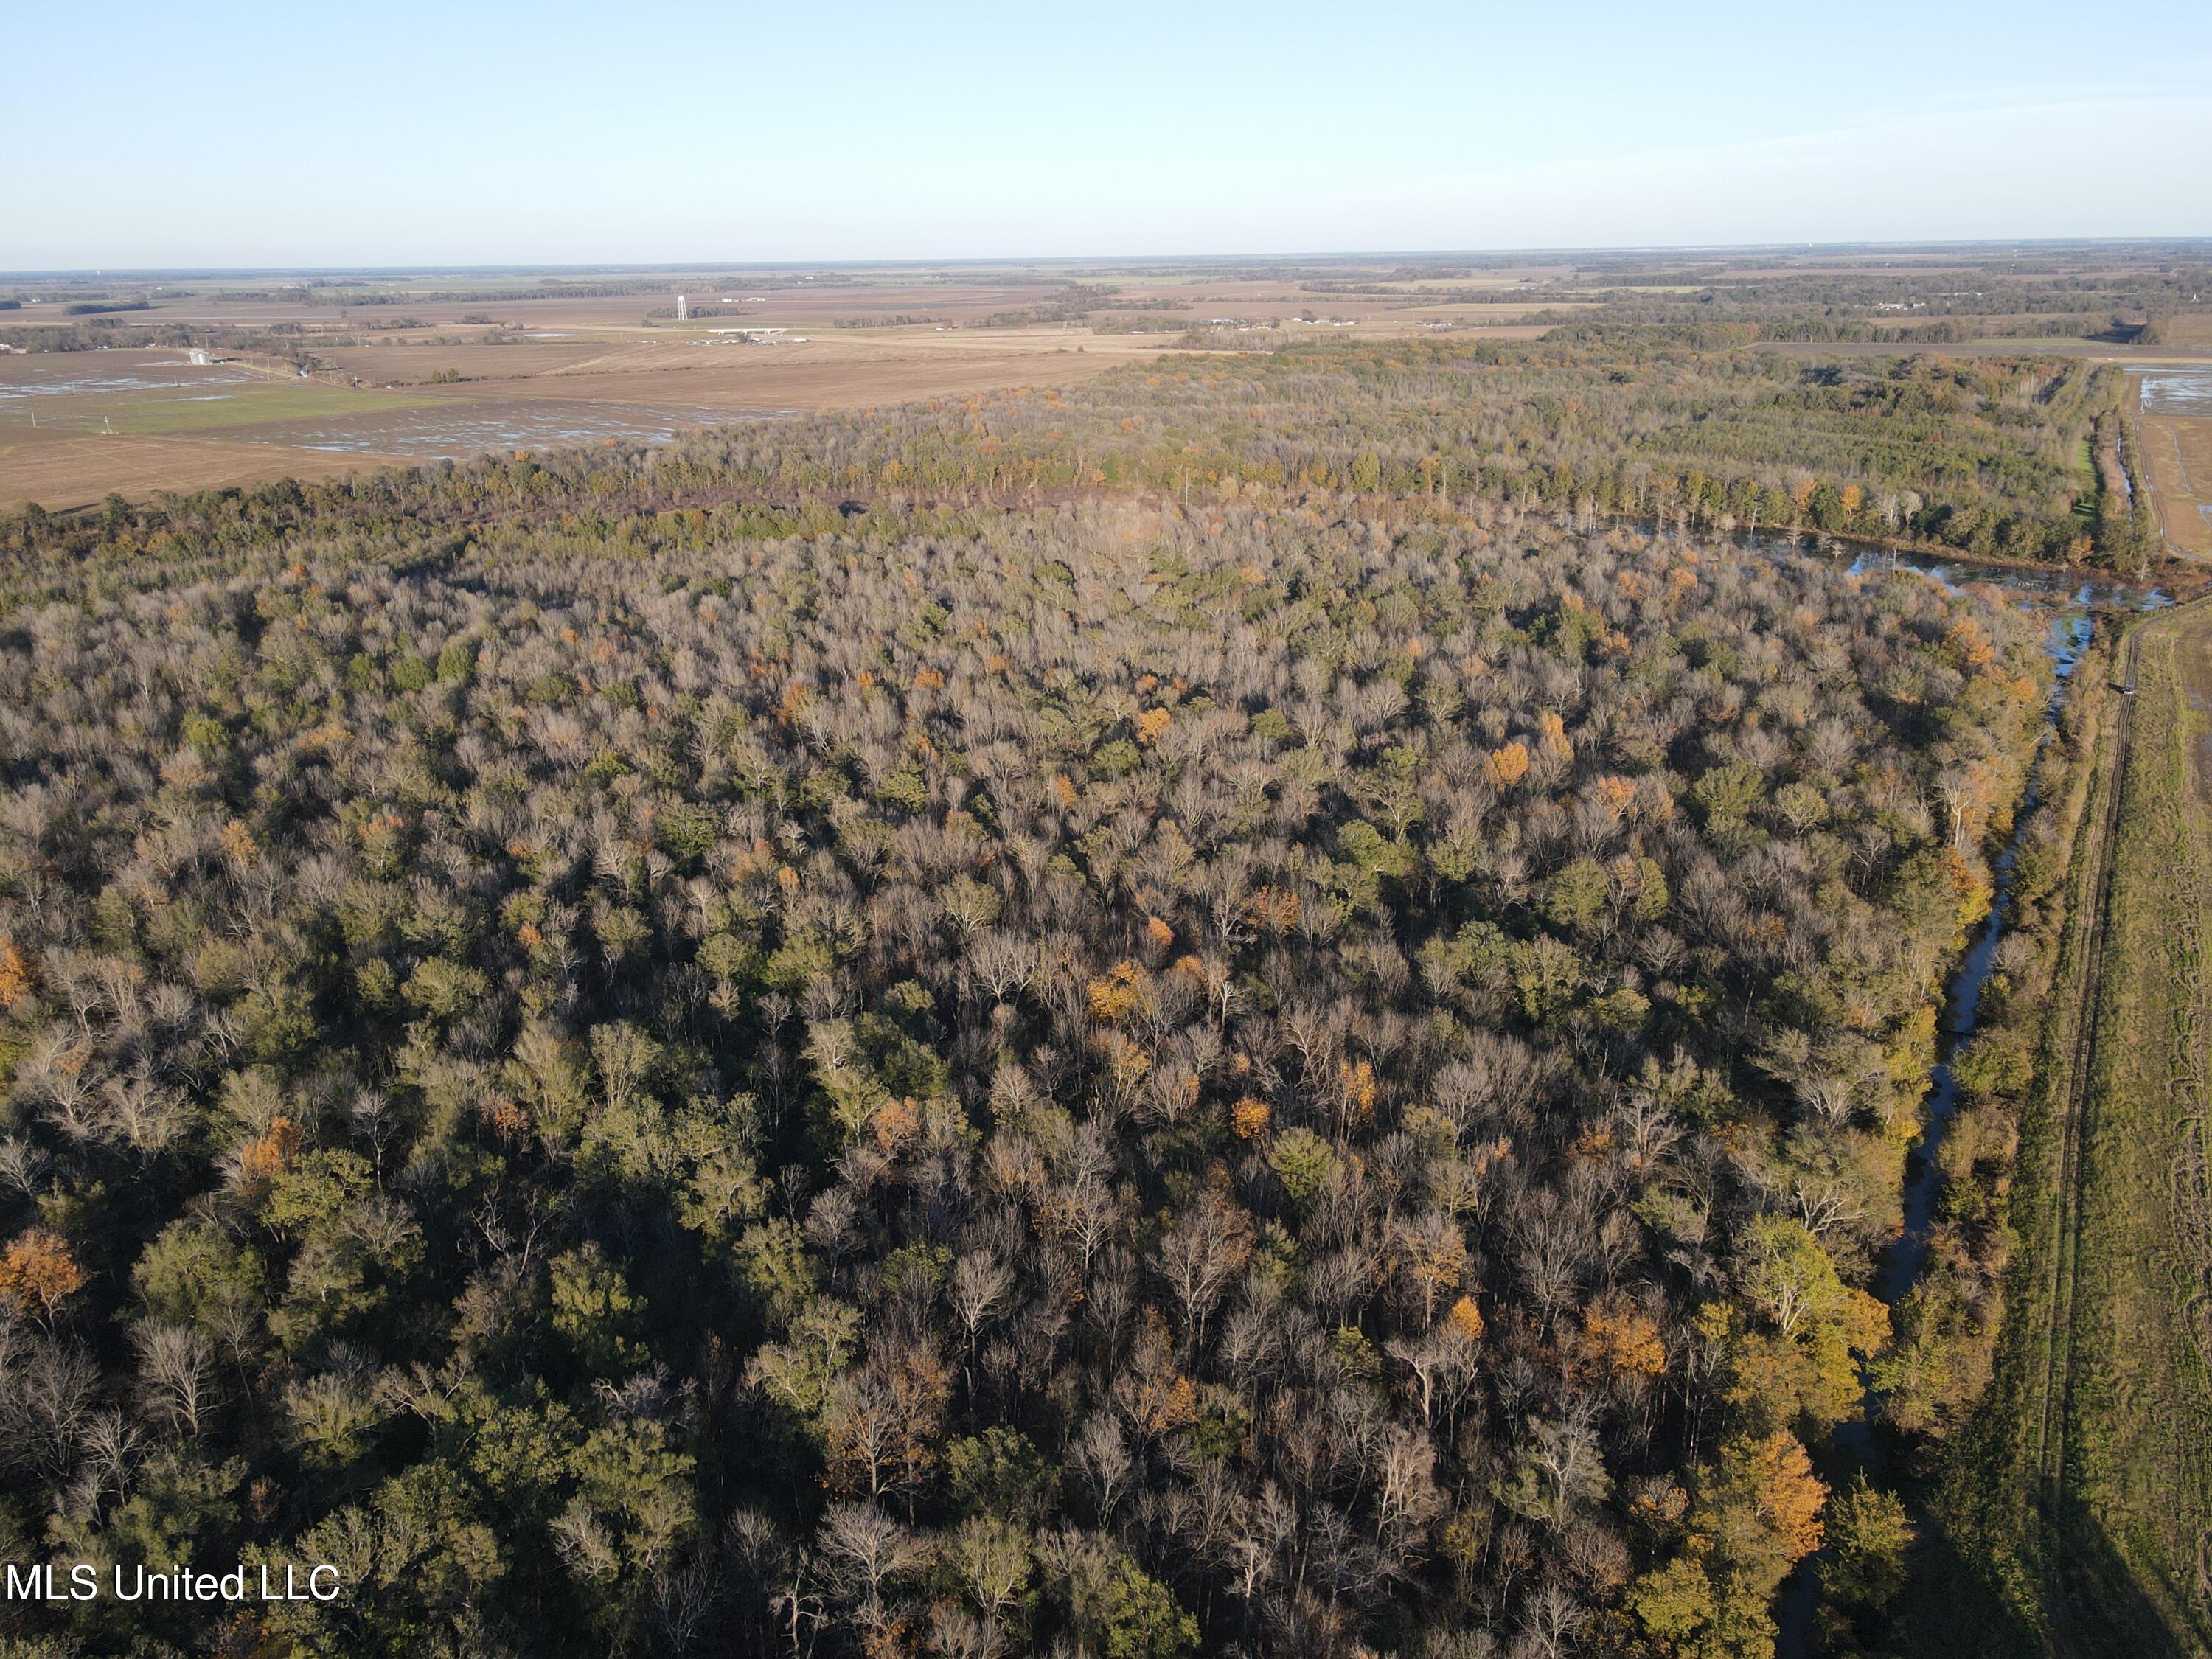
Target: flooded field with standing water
455, 430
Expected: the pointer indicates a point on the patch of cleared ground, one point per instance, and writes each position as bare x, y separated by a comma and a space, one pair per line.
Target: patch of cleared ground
2177, 459
65, 470
114, 404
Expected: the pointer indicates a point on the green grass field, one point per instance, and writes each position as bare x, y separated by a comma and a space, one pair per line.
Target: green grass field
2114, 1560
2136, 1509
202, 410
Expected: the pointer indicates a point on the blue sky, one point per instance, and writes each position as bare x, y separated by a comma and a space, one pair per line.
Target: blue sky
225, 134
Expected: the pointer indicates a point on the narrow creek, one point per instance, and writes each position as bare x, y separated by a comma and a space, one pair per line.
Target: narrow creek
2067, 638
1902, 1263
2070, 600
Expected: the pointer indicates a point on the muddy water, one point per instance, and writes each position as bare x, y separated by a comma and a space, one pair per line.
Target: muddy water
31, 386
2176, 389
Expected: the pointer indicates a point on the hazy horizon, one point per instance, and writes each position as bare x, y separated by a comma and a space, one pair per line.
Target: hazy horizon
264, 138
1981, 247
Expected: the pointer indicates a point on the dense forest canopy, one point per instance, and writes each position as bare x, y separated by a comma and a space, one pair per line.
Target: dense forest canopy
1105, 1076
1691, 427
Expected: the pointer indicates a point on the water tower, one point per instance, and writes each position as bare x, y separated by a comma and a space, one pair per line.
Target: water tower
683, 310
